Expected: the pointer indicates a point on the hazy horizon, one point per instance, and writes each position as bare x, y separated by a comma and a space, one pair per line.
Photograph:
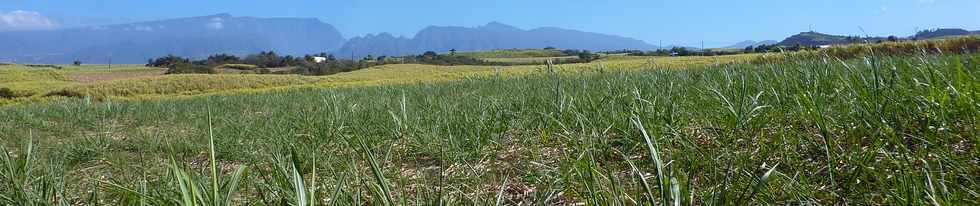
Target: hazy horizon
673, 22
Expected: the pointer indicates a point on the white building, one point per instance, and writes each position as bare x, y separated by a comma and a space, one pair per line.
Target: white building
319, 59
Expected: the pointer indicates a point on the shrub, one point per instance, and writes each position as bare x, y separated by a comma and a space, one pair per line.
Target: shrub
44, 66
65, 93
271, 59
323, 68
219, 59
166, 61
588, 56
238, 66
188, 68
6, 93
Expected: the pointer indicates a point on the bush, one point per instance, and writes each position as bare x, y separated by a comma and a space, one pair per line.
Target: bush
65, 93
584, 56
271, 59
588, 56
44, 66
239, 66
166, 61
188, 68
6, 93
219, 59
327, 68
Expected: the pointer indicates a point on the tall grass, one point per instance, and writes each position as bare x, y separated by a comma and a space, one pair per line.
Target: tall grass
514, 53
186, 85
958, 45
181, 84
898, 130
24, 82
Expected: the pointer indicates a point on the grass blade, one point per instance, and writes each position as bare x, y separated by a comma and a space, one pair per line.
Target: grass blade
376, 170
655, 156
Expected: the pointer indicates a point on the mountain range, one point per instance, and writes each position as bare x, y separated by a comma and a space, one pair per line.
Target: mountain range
487, 37
751, 43
812, 38
943, 32
817, 39
194, 37
198, 37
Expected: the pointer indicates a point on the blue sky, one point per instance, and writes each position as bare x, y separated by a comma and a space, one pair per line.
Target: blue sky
716, 22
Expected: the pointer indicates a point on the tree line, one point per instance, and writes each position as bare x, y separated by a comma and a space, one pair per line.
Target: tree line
262, 62
677, 51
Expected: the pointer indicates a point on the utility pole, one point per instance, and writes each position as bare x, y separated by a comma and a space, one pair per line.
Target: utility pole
915, 34
109, 68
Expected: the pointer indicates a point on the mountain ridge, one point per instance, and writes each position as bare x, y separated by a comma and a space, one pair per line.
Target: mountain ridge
491, 36
200, 36
812, 38
194, 37
747, 43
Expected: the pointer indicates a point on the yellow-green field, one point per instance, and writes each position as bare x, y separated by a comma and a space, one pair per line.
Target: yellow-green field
385, 74
514, 53
132, 81
803, 132
890, 126
34, 84
26, 81
529, 59
406, 73
525, 55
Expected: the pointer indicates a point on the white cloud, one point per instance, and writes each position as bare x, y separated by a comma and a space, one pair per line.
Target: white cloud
25, 20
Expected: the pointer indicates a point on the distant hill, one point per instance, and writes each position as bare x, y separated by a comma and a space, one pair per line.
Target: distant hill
194, 37
748, 43
814, 39
817, 39
492, 36
939, 33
